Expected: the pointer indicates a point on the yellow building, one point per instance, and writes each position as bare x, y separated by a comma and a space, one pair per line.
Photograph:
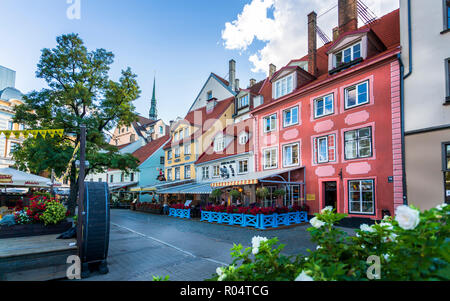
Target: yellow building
193, 135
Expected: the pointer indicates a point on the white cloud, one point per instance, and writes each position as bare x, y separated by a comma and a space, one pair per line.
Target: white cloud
285, 35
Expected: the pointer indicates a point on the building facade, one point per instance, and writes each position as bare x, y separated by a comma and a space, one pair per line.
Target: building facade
335, 120
426, 58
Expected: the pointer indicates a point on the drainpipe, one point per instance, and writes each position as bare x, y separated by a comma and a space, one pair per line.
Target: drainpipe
409, 41
402, 110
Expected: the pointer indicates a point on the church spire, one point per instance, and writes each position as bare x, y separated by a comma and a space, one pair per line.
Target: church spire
153, 110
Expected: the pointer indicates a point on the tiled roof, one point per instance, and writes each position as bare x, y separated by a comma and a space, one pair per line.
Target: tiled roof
224, 81
203, 120
234, 148
150, 148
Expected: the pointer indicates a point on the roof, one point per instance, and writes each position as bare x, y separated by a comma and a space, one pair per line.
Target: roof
150, 148
234, 148
191, 188
386, 28
200, 118
10, 93
224, 81
141, 124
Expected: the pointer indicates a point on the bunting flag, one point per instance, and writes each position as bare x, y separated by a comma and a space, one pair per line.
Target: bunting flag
35, 133
69, 166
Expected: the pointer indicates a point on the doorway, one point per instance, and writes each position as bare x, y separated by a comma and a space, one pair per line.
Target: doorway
330, 194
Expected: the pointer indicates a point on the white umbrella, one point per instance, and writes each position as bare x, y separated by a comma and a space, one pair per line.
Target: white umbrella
12, 177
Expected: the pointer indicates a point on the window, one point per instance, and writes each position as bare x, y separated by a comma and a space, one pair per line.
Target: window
209, 95
325, 149
177, 152
162, 161
446, 15
447, 75
446, 169
13, 147
10, 125
258, 100
99, 180
358, 144
186, 132
187, 172
169, 155
243, 102
187, 149
169, 174
292, 195
132, 138
270, 123
271, 198
161, 130
21, 127
291, 154
324, 106
176, 136
177, 173
122, 177
216, 171
111, 179
219, 144
284, 86
361, 197
348, 54
132, 177
290, 117
205, 173
243, 138
270, 158
243, 166
356, 95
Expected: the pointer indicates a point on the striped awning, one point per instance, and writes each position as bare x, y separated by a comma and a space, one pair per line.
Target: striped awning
192, 188
235, 183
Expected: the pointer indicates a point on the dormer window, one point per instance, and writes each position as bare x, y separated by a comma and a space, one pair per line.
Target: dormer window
258, 100
348, 55
243, 102
284, 86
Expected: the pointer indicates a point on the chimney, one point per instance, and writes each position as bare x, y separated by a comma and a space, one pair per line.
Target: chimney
312, 43
348, 15
232, 74
272, 70
252, 82
335, 33
237, 84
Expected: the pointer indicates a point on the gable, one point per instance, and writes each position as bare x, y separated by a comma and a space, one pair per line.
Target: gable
218, 88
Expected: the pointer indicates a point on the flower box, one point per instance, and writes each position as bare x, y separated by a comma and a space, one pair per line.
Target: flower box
33, 230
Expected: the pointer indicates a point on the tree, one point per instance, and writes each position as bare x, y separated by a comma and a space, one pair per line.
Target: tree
79, 92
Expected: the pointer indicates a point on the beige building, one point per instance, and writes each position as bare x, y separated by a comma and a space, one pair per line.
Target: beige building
425, 38
144, 128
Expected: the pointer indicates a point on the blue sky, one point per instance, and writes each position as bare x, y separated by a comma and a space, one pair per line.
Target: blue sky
182, 41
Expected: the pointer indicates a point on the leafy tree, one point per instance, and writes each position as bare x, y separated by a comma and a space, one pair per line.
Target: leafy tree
79, 92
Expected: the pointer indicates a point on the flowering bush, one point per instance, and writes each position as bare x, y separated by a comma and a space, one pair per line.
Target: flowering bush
180, 206
54, 213
412, 247
22, 218
151, 206
250, 211
41, 210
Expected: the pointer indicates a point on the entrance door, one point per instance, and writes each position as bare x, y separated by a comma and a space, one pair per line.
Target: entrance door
330, 194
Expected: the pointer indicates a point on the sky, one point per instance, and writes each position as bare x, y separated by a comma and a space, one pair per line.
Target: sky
180, 42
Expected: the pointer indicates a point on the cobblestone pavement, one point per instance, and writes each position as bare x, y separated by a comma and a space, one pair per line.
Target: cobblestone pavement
143, 245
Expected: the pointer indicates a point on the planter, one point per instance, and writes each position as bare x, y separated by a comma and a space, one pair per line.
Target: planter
180, 213
33, 230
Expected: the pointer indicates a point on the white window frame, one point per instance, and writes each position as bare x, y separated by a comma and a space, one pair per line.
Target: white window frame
290, 110
358, 140
324, 99
356, 86
361, 197
282, 87
177, 152
169, 155
285, 157
175, 137
243, 101
265, 166
177, 173
187, 149
275, 123
219, 143
169, 174
352, 54
240, 172
318, 139
216, 171
187, 172
186, 132
205, 173
243, 138
258, 101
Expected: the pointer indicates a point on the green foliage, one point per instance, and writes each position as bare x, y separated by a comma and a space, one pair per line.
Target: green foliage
262, 192
54, 213
161, 279
78, 92
235, 194
216, 193
279, 192
406, 253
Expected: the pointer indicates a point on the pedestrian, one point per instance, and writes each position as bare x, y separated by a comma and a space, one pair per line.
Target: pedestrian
238, 202
166, 208
223, 203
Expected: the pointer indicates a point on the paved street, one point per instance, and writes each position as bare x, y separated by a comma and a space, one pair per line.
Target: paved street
143, 245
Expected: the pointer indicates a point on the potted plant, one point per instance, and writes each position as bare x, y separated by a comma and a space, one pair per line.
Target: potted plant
262, 193
279, 193
216, 194
235, 194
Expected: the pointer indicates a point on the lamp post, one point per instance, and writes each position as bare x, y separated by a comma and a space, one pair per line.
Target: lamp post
81, 212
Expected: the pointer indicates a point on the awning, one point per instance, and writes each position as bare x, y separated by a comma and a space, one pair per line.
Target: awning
16, 178
145, 189
116, 186
253, 178
191, 188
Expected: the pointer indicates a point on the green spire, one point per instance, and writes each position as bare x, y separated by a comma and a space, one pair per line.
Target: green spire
153, 110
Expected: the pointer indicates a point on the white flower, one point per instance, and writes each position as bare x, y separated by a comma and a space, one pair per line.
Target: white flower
407, 218
303, 277
316, 223
318, 248
386, 257
327, 209
256, 243
222, 277
363, 246
219, 271
441, 207
367, 228
388, 225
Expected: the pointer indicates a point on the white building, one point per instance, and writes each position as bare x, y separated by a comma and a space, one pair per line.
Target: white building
425, 39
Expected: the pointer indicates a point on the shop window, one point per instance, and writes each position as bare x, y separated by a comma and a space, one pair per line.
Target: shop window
292, 195
358, 144
361, 197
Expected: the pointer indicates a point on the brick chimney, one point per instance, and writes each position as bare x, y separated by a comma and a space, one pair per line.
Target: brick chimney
335, 33
232, 74
312, 43
272, 70
348, 15
252, 82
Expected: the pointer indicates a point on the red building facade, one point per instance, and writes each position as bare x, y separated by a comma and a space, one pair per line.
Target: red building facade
334, 117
